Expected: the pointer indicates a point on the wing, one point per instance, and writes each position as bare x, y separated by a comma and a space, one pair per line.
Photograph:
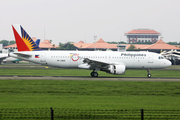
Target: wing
96, 63
3, 56
92, 63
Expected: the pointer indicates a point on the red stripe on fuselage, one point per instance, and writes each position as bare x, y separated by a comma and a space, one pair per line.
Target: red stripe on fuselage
19, 42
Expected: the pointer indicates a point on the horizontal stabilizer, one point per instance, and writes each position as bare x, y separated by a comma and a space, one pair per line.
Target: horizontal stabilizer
22, 55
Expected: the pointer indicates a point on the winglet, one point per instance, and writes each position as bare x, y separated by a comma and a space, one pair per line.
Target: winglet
23, 40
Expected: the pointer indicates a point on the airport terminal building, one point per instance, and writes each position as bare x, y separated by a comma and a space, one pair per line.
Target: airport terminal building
142, 35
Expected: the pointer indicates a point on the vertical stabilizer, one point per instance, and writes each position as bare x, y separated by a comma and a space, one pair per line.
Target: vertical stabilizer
37, 42
23, 40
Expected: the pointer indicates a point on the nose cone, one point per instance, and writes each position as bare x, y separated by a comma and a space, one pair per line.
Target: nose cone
168, 63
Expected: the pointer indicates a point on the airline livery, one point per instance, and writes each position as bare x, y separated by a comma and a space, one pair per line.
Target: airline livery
4, 56
109, 61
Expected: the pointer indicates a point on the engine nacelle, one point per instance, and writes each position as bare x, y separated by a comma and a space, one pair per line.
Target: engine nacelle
117, 69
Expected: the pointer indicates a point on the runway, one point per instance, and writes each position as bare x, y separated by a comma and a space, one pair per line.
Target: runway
87, 78
35, 66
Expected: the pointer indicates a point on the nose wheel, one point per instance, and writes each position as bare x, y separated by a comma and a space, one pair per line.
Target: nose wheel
149, 74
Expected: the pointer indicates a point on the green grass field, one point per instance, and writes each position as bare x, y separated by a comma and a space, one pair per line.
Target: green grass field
93, 99
89, 95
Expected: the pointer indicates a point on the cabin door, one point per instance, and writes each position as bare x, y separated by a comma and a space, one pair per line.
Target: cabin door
43, 57
150, 58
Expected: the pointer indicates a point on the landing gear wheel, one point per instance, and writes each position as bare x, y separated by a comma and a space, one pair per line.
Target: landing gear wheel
94, 74
149, 75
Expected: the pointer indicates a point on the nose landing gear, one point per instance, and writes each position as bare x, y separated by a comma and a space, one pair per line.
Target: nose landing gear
149, 75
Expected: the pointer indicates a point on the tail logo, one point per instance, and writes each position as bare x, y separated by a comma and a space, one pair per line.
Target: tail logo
23, 40
28, 41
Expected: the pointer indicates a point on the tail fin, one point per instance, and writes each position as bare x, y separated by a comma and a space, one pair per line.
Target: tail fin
37, 42
23, 40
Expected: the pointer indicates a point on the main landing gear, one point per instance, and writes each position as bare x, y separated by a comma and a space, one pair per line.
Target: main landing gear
94, 73
149, 75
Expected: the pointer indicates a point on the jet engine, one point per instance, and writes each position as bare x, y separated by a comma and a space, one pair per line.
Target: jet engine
117, 69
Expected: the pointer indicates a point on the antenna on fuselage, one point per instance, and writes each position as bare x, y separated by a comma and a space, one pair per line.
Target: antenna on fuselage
95, 42
44, 32
161, 42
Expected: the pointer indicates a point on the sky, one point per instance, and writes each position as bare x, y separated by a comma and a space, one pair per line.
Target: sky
80, 20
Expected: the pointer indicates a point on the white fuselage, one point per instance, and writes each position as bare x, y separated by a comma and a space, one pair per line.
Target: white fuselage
72, 59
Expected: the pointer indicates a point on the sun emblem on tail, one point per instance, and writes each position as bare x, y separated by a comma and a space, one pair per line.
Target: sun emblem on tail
28, 41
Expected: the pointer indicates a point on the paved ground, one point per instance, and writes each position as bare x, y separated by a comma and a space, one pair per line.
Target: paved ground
85, 78
38, 66
35, 66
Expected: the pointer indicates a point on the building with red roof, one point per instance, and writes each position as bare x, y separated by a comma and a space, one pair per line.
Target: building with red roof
100, 45
81, 44
46, 44
160, 45
157, 47
142, 35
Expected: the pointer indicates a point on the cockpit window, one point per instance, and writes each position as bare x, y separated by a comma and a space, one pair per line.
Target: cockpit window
161, 57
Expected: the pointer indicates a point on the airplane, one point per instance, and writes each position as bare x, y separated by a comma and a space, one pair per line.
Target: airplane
171, 54
4, 56
112, 62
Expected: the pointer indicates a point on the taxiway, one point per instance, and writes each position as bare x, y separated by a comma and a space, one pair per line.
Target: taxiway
87, 78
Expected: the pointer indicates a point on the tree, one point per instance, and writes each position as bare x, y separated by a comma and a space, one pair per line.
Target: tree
61, 46
143, 43
70, 46
12, 42
4, 42
121, 42
132, 47
66, 46
112, 42
173, 43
